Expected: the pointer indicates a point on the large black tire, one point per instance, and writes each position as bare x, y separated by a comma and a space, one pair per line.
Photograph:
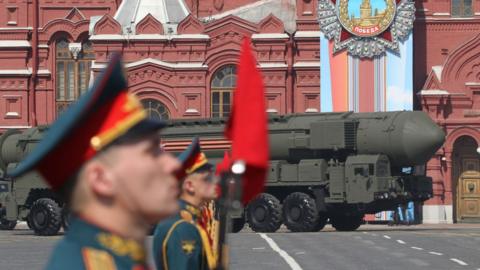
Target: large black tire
264, 213
344, 223
4, 223
238, 224
66, 217
45, 217
7, 224
300, 213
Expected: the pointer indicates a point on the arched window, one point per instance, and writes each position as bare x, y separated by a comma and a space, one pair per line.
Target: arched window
72, 63
223, 83
155, 109
462, 8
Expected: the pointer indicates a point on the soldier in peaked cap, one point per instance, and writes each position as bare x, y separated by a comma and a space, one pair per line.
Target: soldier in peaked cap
183, 242
103, 156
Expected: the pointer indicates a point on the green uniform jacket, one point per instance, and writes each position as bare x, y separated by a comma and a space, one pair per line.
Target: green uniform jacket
179, 243
86, 246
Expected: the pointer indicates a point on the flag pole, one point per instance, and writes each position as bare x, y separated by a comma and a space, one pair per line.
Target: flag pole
230, 183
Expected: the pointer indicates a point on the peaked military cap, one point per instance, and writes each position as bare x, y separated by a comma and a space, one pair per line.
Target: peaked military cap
193, 160
106, 114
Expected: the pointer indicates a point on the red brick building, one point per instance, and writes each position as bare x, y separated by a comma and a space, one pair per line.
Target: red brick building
447, 78
180, 54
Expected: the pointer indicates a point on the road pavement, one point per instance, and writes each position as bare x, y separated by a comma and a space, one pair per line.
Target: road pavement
372, 247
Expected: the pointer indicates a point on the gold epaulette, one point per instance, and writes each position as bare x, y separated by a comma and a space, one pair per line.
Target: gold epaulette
96, 259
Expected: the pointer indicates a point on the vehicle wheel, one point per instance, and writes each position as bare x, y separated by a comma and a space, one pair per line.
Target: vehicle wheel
7, 224
346, 223
45, 217
264, 213
66, 218
29, 222
300, 213
238, 224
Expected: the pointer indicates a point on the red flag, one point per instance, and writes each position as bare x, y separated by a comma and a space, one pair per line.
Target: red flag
224, 166
247, 126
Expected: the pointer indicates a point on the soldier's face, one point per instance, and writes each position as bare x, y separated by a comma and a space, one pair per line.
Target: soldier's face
145, 183
204, 186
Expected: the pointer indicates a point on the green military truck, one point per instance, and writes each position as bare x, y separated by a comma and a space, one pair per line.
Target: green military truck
29, 198
333, 167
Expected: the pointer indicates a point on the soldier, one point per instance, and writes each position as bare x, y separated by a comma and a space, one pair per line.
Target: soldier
103, 156
183, 241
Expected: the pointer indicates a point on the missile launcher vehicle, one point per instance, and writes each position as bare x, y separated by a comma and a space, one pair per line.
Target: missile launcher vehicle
333, 167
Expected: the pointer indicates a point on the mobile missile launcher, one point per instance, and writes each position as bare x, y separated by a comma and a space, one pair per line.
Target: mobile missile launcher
29, 198
330, 166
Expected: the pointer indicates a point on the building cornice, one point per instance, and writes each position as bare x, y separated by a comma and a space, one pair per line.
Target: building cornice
307, 34
14, 44
146, 37
270, 36
179, 65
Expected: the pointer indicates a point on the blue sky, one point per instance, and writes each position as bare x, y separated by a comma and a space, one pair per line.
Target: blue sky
400, 77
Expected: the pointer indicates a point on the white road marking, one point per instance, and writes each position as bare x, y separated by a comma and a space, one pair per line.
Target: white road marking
417, 248
257, 248
458, 261
388, 237
364, 232
290, 261
436, 253
401, 242
300, 253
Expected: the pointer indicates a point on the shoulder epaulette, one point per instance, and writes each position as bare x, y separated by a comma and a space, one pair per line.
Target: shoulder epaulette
96, 259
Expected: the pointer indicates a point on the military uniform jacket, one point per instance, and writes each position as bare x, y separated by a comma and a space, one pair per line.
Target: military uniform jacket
180, 243
86, 246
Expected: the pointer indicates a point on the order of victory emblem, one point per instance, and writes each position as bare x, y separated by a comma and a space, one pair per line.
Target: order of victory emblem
366, 27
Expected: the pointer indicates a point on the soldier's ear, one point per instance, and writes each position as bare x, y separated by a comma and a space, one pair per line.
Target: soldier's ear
188, 186
99, 179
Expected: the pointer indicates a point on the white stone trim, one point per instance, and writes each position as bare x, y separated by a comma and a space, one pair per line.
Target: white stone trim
43, 46
433, 92
271, 110
441, 14
190, 36
14, 127
148, 37
44, 72
472, 83
270, 36
180, 65
307, 64
307, 34
15, 71
272, 65
311, 110
437, 70
13, 114
75, 48
14, 43
98, 66
16, 28
438, 214
191, 111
